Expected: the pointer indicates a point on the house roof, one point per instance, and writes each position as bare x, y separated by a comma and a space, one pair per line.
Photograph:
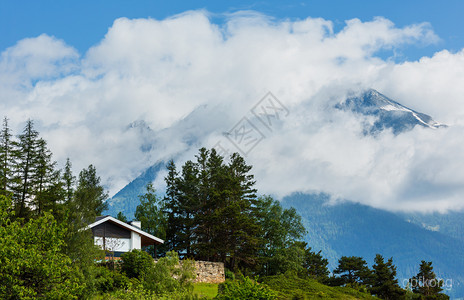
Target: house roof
146, 237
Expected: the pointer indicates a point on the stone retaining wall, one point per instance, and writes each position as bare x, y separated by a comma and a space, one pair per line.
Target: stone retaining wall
209, 272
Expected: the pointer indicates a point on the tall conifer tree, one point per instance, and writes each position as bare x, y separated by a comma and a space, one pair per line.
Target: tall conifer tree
6, 163
25, 169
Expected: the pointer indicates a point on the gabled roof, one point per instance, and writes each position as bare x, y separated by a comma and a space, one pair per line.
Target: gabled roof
103, 219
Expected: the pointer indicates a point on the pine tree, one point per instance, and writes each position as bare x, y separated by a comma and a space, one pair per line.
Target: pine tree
121, 217
90, 196
25, 156
383, 283
315, 265
149, 212
45, 180
6, 163
353, 270
189, 201
239, 213
173, 208
68, 180
426, 284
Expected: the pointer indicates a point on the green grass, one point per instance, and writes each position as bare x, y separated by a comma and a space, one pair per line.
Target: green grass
289, 287
208, 290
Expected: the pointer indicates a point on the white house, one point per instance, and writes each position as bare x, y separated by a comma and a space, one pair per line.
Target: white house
119, 237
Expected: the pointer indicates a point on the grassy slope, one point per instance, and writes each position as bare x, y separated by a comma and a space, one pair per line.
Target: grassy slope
296, 288
208, 290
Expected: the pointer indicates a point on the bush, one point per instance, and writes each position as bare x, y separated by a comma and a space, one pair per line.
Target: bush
108, 281
167, 276
245, 288
32, 264
170, 276
229, 274
137, 264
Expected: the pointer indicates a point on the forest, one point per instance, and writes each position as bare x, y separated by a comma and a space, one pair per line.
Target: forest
211, 211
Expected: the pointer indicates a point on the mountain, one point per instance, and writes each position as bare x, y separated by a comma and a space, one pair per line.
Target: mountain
127, 199
451, 223
352, 229
388, 114
348, 228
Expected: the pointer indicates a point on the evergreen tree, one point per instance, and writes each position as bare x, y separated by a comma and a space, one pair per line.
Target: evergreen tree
353, 270
189, 201
25, 169
68, 180
238, 213
90, 196
173, 208
46, 182
315, 265
149, 212
211, 208
383, 283
426, 284
122, 217
6, 163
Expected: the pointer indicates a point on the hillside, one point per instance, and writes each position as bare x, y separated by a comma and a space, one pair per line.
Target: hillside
352, 229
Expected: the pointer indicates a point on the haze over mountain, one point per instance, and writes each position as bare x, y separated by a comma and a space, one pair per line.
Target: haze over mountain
350, 229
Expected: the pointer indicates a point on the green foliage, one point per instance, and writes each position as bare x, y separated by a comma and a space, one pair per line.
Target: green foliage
170, 276
121, 217
280, 229
245, 288
166, 276
214, 214
293, 287
32, 264
426, 284
314, 265
137, 264
68, 181
206, 290
228, 274
89, 197
149, 213
105, 280
6, 159
383, 282
353, 270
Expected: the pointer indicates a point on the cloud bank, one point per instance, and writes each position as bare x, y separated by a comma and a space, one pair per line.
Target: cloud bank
156, 89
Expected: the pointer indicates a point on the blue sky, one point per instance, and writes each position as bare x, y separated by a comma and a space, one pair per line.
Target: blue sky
83, 23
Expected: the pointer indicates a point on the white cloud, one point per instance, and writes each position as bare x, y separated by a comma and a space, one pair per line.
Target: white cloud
190, 80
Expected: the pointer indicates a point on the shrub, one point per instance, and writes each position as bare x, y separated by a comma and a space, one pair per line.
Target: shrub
170, 276
229, 274
32, 264
108, 281
137, 264
245, 288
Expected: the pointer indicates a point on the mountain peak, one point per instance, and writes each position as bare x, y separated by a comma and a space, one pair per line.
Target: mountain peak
390, 114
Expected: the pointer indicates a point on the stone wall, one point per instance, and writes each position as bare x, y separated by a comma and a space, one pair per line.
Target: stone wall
209, 272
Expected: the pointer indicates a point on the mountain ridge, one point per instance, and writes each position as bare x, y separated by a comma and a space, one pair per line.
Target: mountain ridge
339, 229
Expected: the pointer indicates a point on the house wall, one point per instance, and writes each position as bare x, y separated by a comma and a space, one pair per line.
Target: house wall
114, 244
136, 241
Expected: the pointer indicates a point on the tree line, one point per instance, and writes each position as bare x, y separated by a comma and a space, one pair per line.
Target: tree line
30, 178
